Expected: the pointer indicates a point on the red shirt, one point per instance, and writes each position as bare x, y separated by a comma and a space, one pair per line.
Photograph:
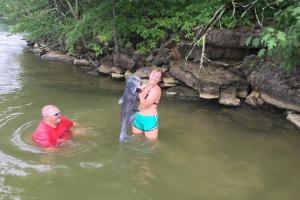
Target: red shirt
48, 136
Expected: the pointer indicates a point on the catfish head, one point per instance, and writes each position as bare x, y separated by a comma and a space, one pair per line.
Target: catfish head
132, 87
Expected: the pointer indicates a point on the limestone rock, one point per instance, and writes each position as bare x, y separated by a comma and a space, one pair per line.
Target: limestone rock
58, 56
127, 74
294, 118
276, 87
207, 81
117, 70
162, 57
228, 97
169, 80
144, 71
242, 93
254, 99
117, 76
231, 37
122, 60
83, 62
181, 92
105, 69
149, 58
211, 52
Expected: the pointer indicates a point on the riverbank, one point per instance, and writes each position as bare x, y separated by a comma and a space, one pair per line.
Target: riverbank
232, 75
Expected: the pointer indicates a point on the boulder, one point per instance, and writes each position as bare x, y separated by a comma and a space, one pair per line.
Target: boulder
117, 70
162, 57
58, 56
144, 71
242, 93
122, 60
254, 99
181, 92
211, 52
116, 76
149, 58
83, 62
168, 82
231, 37
105, 69
275, 87
228, 97
128, 73
294, 118
207, 81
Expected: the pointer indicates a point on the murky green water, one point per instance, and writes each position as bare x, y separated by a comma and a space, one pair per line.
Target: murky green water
204, 151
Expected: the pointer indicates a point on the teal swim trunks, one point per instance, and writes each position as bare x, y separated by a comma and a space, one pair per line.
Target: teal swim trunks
145, 123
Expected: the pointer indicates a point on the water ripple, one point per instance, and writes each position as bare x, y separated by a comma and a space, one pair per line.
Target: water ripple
10, 165
7, 191
73, 147
70, 148
8, 118
19, 142
14, 167
91, 164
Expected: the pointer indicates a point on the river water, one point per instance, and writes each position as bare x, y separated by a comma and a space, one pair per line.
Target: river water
204, 151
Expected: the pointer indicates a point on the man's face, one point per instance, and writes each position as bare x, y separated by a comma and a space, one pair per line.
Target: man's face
53, 116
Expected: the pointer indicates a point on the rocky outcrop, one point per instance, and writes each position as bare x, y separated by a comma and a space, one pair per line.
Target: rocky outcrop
122, 60
114, 71
231, 37
211, 52
162, 57
212, 82
254, 99
81, 62
182, 92
229, 97
274, 86
294, 118
58, 56
220, 44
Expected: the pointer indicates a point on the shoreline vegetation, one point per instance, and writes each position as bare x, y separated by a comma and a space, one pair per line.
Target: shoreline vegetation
233, 52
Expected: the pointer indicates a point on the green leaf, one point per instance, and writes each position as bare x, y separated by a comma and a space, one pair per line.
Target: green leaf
261, 52
248, 41
281, 36
256, 42
271, 43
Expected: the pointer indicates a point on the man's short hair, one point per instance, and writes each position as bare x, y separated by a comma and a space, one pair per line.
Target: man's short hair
48, 109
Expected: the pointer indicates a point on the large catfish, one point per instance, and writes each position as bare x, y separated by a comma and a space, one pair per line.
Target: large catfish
129, 102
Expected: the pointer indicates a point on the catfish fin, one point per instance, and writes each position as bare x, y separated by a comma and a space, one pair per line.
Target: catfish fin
121, 100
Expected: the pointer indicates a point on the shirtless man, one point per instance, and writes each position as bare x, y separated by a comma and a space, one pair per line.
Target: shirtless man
146, 120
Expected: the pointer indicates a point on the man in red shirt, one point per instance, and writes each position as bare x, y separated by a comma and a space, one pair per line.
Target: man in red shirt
54, 129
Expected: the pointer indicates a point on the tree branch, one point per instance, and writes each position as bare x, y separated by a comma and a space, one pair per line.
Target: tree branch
75, 15
203, 33
203, 50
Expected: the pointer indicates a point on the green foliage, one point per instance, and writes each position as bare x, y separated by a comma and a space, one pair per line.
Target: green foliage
281, 41
96, 33
146, 24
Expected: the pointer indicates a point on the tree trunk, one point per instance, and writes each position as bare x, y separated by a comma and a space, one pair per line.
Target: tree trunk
114, 28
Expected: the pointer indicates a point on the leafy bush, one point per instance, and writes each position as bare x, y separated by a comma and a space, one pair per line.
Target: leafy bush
281, 41
145, 24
